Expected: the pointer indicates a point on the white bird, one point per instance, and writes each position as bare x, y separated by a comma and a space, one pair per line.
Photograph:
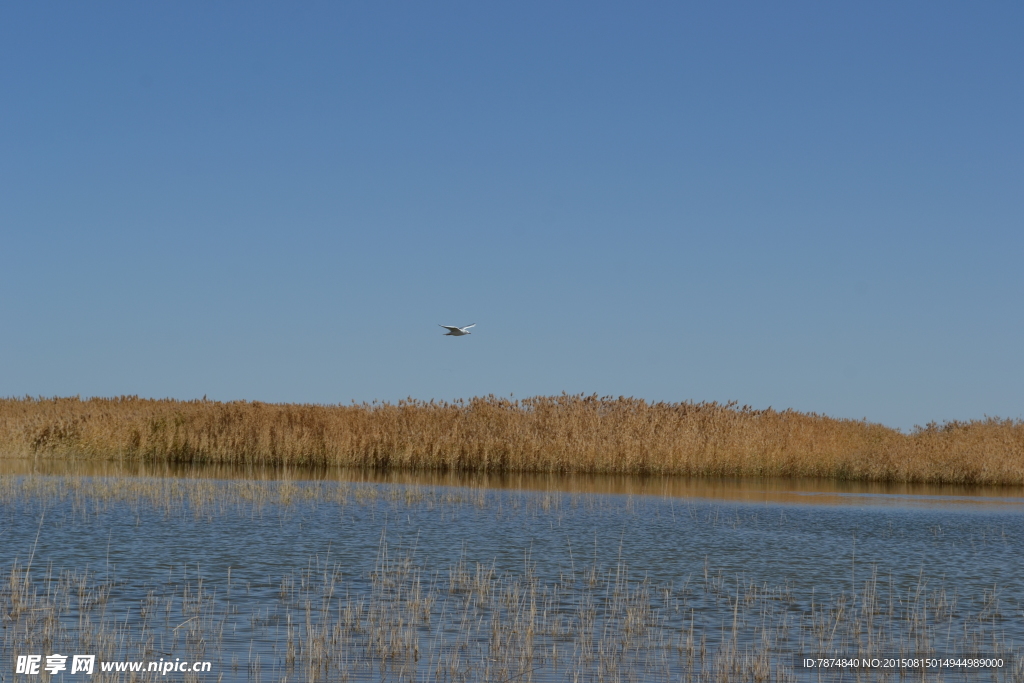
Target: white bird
457, 331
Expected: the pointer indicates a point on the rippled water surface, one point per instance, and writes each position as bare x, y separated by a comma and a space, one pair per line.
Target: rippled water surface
307, 576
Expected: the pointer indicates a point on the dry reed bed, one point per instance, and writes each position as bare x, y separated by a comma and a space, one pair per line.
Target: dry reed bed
465, 623
567, 434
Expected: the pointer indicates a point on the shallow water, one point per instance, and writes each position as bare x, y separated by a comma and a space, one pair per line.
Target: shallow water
759, 567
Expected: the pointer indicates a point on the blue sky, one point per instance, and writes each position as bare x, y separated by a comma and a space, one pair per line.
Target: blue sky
792, 205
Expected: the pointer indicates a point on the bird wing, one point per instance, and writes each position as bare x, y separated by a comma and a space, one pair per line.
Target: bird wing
467, 327
450, 328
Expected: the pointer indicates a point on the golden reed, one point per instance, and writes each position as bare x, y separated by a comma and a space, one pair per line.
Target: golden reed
579, 434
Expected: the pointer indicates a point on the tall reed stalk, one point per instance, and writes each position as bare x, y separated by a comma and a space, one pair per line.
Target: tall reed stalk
578, 434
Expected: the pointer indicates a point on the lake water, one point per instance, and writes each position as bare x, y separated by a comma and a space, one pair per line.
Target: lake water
294, 575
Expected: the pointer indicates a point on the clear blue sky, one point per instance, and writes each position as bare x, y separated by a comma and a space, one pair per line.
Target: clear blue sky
816, 206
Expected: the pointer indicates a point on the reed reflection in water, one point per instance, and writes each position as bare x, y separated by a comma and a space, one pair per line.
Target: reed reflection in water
754, 490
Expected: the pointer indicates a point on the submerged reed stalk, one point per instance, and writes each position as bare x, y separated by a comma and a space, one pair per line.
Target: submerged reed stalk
568, 434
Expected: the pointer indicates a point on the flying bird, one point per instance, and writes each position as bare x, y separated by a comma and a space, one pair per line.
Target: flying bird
457, 331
